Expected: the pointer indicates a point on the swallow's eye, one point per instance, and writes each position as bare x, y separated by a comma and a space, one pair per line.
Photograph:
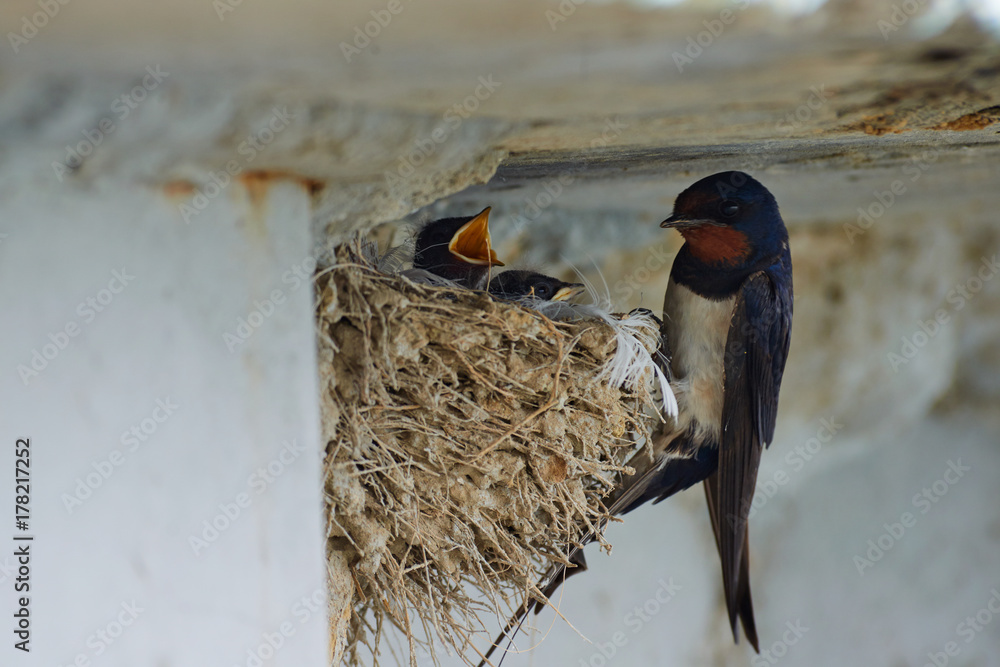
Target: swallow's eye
543, 291
729, 208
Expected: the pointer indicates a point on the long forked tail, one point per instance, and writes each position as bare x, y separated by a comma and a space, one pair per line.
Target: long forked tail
625, 499
633, 492
554, 578
743, 609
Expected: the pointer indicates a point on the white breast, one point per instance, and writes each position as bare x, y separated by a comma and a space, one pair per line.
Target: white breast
697, 329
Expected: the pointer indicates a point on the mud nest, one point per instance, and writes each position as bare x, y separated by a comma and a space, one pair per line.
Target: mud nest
469, 445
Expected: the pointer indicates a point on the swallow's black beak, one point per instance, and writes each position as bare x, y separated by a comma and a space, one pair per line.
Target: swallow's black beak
678, 221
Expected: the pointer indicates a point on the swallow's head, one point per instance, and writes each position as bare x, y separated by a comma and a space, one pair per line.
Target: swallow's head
529, 284
456, 245
728, 220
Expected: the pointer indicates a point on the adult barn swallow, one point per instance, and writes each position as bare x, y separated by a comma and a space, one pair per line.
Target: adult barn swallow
519, 284
727, 317
726, 324
458, 249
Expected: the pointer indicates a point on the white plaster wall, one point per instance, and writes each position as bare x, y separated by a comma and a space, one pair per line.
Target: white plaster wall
161, 340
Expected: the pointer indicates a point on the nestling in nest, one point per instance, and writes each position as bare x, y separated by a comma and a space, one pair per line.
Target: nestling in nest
469, 444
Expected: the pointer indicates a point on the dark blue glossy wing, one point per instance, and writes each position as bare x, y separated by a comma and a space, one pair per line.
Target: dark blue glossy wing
756, 350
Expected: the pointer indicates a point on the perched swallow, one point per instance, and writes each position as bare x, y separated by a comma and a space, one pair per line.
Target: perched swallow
458, 249
519, 284
727, 319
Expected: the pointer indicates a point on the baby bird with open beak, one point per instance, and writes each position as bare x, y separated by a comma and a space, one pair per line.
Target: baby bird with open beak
457, 249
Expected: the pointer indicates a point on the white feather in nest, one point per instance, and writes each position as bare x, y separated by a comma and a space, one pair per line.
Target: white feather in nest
391, 261
632, 364
423, 277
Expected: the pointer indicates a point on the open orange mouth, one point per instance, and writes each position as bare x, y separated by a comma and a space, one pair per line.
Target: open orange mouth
472, 242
